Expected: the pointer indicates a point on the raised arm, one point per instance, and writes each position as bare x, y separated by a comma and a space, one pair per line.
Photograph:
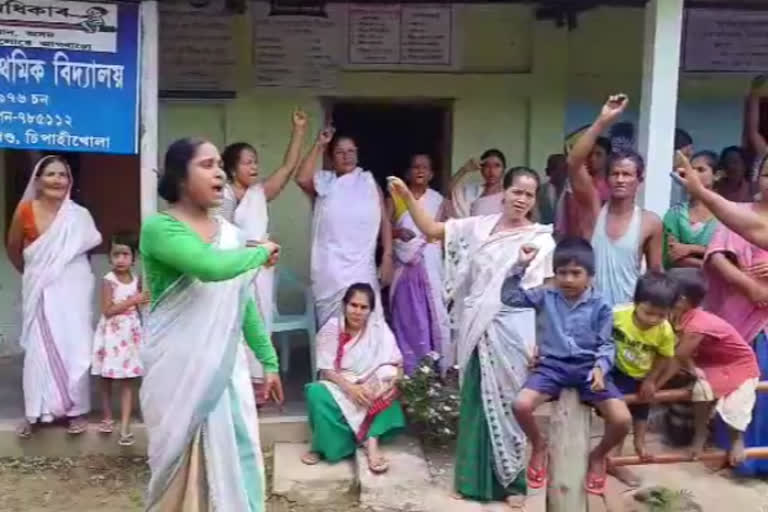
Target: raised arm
744, 221
430, 227
756, 139
461, 204
14, 245
514, 295
171, 242
582, 183
277, 181
305, 177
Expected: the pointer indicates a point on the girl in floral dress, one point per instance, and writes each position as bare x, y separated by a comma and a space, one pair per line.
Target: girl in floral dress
118, 335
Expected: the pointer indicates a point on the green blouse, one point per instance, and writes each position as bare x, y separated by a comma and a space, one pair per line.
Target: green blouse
169, 249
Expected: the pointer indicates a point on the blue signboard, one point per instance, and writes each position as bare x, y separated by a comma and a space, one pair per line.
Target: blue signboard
69, 76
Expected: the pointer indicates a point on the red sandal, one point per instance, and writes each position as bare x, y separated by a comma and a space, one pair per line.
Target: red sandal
537, 478
595, 483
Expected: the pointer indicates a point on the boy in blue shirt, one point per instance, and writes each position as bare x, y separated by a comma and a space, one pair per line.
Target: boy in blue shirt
575, 351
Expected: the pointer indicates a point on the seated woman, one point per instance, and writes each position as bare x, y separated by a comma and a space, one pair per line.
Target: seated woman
355, 400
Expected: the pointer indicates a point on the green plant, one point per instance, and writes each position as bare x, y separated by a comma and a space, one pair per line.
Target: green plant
432, 401
662, 499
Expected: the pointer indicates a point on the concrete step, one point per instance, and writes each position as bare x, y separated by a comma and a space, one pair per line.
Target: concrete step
53, 440
442, 466
320, 485
404, 486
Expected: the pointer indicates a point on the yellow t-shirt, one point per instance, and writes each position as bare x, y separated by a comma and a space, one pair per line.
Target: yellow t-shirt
636, 349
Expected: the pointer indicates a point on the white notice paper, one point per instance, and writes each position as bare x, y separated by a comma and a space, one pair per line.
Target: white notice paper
197, 51
726, 40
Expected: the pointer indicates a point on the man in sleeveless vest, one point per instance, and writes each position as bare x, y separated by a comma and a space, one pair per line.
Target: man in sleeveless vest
625, 237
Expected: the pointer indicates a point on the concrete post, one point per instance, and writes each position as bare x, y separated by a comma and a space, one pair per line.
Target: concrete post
658, 104
549, 93
149, 108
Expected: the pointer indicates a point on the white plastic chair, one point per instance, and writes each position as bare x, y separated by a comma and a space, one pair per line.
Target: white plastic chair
283, 324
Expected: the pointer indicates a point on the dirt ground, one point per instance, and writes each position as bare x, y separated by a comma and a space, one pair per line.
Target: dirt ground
108, 484
88, 484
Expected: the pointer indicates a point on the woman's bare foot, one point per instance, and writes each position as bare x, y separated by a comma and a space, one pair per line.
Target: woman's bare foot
310, 458
77, 425
377, 463
457, 496
24, 430
737, 455
515, 502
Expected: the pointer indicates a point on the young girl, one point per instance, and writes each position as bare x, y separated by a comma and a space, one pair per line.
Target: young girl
118, 335
723, 363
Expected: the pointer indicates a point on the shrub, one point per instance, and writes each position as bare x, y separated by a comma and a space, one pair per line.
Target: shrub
432, 401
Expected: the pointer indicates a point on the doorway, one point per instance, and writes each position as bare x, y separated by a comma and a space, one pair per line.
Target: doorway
389, 131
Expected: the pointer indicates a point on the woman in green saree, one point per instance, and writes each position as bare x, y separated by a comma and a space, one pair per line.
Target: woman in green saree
689, 227
493, 343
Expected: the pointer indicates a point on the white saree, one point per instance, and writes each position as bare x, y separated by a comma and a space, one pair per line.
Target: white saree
345, 229
427, 255
57, 329
476, 264
371, 358
196, 397
251, 215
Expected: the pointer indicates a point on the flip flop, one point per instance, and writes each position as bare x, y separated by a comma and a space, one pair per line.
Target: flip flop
377, 468
24, 431
595, 483
537, 478
77, 427
106, 426
310, 458
126, 440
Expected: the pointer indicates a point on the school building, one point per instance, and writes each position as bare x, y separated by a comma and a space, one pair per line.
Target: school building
450, 78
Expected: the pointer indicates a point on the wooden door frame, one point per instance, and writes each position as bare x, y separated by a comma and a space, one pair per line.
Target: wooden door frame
328, 104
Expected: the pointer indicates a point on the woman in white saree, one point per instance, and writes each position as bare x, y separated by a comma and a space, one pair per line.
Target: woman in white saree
48, 241
246, 196
349, 217
493, 343
355, 400
419, 317
196, 397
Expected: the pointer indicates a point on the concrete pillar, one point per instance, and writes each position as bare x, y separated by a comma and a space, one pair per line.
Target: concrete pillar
658, 104
549, 93
149, 108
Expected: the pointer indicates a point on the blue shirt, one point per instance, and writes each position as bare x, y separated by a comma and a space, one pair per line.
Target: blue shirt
572, 330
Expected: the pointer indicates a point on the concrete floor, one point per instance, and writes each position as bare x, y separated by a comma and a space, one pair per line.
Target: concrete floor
12, 399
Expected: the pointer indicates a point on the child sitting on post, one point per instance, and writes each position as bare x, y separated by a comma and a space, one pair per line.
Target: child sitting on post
575, 351
645, 344
723, 363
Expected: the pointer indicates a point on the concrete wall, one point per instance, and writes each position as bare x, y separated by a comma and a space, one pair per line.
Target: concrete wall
491, 108
523, 83
606, 57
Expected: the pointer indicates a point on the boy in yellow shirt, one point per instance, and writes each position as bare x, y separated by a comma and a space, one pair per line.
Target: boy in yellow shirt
645, 343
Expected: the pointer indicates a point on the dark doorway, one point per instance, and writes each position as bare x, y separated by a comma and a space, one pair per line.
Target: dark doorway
388, 132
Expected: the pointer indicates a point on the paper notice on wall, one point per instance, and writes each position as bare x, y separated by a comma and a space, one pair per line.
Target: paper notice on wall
296, 51
197, 50
400, 36
726, 40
